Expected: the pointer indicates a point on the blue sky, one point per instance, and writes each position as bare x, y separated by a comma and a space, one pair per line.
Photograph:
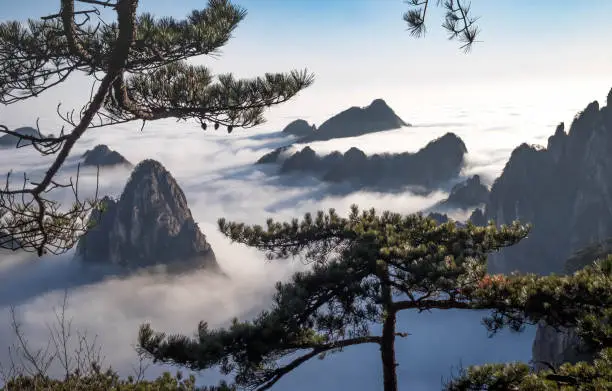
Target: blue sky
367, 38
363, 48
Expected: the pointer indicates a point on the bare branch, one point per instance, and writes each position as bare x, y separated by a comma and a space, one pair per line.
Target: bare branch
100, 2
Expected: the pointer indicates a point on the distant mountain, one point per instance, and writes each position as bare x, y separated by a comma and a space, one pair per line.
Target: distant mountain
439, 161
467, 194
10, 141
355, 121
588, 255
478, 218
299, 128
149, 225
564, 190
274, 156
101, 155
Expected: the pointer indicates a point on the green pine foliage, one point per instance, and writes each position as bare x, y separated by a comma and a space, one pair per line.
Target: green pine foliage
582, 301
365, 269
109, 380
582, 376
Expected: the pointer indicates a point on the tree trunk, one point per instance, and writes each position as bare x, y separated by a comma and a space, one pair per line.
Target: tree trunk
387, 350
387, 343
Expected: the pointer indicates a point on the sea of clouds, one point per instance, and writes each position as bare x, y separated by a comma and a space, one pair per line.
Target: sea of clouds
216, 172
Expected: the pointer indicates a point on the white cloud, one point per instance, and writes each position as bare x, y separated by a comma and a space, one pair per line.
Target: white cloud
215, 171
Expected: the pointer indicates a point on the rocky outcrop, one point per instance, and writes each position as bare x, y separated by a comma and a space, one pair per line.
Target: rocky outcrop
588, 255
564, 190
356, 121
304, 160
437, 162
274, 156
467, 194
102, 156
10, 141
149, 225
442, 218
299, 128
478, 218
556, 346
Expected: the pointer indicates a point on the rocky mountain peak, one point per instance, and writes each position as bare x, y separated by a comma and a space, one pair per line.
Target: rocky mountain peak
299, 128
556, 142
356, 121
428, 168
304, 160
101, 155
469, 193
564, 190
355, 153
150, 224
380, 108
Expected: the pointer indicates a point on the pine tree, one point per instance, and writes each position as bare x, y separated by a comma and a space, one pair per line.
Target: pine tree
139, 72
368, 267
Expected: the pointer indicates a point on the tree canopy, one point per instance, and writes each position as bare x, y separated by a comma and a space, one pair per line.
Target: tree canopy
365, 269
137, 64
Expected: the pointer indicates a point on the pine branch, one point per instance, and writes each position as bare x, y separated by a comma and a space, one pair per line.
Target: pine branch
43, 54
518, 376
416, 17
432, 304
457, 22
67, 14
99, 2
184, 91
277, 374
316, 237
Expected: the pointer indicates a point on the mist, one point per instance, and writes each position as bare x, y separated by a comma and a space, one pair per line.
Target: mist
216, 172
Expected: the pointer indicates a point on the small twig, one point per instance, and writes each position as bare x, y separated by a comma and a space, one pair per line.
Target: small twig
54, 16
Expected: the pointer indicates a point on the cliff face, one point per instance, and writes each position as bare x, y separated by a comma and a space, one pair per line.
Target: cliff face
437, 162
470, 193
564, 190
556, 347
355, 121
150, 224
588, 255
